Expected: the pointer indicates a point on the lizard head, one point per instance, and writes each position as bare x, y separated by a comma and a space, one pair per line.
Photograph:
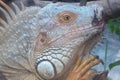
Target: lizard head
63, 24
62, 29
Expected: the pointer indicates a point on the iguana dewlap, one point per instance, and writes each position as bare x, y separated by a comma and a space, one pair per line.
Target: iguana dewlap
44, 43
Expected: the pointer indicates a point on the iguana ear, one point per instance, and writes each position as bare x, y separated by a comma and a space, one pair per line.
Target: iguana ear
41, 41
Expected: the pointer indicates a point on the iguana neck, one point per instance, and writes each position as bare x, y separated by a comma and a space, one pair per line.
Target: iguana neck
59, 59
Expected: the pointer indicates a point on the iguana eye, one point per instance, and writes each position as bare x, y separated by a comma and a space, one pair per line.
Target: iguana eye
66, 17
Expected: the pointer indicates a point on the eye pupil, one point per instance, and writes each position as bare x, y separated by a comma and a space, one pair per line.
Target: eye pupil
67, 17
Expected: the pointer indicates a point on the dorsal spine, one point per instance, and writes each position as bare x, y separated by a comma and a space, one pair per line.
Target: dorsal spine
9, 14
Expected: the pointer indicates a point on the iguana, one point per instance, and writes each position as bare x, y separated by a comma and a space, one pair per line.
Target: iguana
45, 43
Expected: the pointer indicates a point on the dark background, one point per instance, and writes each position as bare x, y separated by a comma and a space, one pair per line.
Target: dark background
31, 2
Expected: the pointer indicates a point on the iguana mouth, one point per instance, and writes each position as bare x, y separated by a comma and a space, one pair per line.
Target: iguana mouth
86, 28
96, 22
100, 24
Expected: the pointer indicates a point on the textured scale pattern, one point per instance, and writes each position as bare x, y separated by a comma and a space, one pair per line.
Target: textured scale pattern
17, 40
44, 43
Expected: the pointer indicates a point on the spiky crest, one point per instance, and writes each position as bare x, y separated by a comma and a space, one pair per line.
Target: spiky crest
9, 14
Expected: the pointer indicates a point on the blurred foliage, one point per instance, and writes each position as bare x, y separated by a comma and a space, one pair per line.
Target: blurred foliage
116, 63
114, 25
106, 53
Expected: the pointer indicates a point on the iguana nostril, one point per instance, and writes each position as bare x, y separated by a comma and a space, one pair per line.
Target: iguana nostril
95, 22
95, 19
46, 70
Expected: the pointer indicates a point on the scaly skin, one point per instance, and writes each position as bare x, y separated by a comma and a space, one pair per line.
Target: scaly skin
44, 43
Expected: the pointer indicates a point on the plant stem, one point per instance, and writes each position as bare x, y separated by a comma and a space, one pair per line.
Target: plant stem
106, 51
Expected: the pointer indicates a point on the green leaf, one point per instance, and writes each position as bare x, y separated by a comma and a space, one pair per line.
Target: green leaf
114, 64
117, 30
114, 25
111, 28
